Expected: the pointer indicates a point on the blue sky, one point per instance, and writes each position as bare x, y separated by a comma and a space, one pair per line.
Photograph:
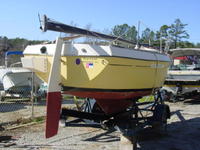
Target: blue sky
19, 18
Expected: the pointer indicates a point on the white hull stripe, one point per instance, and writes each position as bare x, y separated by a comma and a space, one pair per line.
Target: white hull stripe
96, 50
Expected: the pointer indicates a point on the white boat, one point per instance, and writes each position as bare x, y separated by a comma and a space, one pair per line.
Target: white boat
16, 81
184, 74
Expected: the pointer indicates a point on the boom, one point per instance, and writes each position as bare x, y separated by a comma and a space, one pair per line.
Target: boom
48, 24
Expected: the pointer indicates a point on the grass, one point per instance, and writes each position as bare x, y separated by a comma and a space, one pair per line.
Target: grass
24, 122
70, 97
38, 119
146, 99
29, 120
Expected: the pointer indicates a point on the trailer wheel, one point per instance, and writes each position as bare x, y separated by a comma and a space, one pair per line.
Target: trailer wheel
160, 115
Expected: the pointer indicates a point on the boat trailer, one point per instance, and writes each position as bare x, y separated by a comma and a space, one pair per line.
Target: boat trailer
129, 122
178, 90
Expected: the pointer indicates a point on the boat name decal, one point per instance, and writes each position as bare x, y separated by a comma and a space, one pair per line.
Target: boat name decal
89, 58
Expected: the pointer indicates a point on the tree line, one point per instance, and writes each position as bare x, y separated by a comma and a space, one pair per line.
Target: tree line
15, 43
171, 36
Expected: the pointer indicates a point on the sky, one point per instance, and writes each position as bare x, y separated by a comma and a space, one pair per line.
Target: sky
19, 18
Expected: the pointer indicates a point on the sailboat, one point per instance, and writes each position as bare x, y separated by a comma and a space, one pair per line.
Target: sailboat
114, 76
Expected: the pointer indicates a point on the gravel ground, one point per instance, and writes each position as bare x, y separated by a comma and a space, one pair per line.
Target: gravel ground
183, 133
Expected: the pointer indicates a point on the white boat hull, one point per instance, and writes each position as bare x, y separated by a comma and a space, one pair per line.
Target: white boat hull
16, 78
182, 82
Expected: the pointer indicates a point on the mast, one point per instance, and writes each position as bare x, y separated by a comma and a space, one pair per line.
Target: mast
48, 24
161, 41
138, 34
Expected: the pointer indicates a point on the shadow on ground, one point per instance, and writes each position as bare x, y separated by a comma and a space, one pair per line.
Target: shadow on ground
192, 101
6, 141
180, 135
107, 136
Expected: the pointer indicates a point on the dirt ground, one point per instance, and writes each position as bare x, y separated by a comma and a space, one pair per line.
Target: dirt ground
183, 133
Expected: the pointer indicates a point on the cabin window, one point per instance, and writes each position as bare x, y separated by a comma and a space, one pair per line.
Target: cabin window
84, 50
43, 50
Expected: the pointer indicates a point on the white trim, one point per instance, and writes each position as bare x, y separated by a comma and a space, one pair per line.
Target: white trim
97, 50
54, 77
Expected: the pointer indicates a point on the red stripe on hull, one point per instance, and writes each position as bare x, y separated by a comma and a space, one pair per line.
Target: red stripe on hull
111, 102
109, 95
53, 113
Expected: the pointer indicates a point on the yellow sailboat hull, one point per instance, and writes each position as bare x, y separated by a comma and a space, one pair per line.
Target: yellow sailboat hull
107, 73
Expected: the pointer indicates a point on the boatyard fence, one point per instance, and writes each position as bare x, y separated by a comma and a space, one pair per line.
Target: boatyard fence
22, 103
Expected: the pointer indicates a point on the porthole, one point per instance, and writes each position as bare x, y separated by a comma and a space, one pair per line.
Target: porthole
43, 50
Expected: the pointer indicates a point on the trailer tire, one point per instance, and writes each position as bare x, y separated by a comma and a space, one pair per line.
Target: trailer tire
160, 115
